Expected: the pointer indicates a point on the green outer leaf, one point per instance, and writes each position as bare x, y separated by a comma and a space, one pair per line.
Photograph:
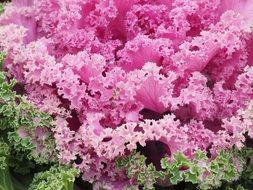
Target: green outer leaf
4, 154
5, 180
136, 168
246, 179
56, 178
2, 7
208, 174
15, 114
16, 152
2, 54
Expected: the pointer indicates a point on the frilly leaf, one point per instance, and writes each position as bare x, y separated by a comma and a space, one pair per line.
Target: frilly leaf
222, 168
136, 168
57, 177
4, 154
206, 173
5, 180
17, 117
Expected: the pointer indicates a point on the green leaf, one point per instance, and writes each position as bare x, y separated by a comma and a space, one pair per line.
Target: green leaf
56, 178
4, 154
2, 7
17, 114
208, 174
5, 180
136, 168
2, 54
221, 169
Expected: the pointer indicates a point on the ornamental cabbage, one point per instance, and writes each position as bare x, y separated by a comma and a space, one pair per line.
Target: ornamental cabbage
126, 94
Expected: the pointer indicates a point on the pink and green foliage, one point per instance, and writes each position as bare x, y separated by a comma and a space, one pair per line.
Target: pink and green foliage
165, 78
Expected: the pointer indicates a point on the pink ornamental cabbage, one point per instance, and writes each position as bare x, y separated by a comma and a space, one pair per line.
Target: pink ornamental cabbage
119, 76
